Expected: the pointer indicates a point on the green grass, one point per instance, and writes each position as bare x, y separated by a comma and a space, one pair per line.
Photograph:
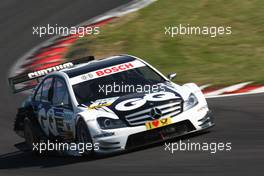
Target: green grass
222, 60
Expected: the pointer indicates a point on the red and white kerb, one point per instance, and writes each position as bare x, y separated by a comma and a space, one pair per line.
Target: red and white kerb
106, 71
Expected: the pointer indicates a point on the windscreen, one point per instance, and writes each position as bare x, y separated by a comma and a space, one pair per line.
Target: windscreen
115, 85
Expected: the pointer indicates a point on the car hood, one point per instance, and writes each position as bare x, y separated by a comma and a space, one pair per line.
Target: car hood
137, 108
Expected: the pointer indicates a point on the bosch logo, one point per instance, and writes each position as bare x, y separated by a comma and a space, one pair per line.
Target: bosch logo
115, 69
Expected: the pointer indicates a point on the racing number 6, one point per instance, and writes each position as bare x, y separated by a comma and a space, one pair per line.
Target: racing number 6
47, 121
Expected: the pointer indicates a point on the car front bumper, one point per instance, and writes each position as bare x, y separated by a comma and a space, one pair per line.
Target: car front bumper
196, 119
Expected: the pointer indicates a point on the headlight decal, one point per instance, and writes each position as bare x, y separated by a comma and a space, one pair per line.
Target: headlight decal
109, 123
191, 102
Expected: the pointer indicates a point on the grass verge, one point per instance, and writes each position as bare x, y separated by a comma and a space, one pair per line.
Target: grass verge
221, 60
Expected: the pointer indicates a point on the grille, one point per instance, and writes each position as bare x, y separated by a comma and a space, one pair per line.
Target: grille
139, 118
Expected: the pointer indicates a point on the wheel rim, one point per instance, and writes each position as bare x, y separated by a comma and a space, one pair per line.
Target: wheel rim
83, 136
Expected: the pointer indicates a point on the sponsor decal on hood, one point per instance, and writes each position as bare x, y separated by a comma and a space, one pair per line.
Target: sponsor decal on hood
136, 102
102, 103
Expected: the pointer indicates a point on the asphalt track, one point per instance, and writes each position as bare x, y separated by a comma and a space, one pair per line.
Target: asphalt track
239, 119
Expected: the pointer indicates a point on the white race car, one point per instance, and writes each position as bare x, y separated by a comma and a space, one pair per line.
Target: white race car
114, 104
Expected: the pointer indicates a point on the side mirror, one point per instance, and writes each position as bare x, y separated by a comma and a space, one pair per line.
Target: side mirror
171, 76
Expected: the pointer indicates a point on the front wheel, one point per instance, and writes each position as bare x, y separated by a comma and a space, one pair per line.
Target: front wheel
84, 138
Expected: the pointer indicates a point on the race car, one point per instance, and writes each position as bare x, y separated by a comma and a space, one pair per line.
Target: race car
115, 104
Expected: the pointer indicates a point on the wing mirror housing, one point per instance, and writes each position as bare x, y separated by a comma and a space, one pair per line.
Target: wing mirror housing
171, 76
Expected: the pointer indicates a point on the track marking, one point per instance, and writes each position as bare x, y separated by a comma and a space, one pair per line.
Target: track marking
46, 50
227, 89
205, 86
258, 90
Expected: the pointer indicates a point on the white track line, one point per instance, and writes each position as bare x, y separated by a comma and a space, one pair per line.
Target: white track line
122, 10
205, 86
258, 90
233, 95
227, 89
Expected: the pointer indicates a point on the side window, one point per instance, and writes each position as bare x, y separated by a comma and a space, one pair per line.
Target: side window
38, 94
60, 94
46, 85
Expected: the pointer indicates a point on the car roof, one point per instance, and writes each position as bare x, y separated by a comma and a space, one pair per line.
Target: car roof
98, 64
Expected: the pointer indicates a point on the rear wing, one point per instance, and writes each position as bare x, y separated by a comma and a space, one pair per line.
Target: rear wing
29, 80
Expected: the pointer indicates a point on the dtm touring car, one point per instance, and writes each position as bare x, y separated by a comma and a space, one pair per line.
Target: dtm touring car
65, 105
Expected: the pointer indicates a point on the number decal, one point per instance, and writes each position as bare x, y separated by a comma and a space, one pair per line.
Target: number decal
135, 103
130, 104
52, 122
47, 121
43, 121
159, 96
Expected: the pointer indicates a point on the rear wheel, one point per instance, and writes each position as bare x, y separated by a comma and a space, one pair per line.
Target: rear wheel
29, 134
84, 138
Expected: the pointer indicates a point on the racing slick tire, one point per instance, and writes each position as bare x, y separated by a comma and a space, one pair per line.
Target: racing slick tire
32, 134
29, 134
83, 136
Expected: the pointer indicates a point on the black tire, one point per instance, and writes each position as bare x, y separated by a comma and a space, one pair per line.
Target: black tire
83, 136
19, 121
29, 134
33, 134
